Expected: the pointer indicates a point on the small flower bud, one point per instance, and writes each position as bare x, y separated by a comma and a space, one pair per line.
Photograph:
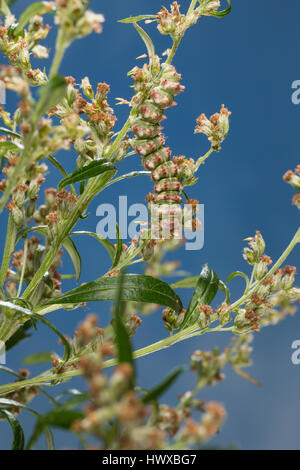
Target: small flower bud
52, 222
87, 88
261, 268
17, 213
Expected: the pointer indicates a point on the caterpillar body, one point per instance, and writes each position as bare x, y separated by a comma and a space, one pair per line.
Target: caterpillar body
149, 143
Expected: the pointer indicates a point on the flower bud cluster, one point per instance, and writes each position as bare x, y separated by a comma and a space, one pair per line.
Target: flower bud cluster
76, 20
207, 7
173, 22
215, 128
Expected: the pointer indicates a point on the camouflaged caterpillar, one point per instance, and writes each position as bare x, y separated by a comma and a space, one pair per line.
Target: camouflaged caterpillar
149, 143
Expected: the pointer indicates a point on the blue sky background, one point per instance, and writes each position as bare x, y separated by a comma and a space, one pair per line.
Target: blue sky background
247, 60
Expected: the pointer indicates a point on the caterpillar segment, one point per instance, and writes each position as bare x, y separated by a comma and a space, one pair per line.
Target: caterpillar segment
149, 143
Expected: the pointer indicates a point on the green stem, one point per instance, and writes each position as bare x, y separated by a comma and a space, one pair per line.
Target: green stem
48, 377
8, 249
24, 265
201, 160
191, 7
60, 49
48, 260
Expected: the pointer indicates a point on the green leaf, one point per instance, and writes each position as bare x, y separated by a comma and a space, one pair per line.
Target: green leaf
37, 358
157, 391
65, 342
132, 174
241, 274
33, 10
186, 283
12, 403
62, 417
60, 168
220, 14
94, 168
18, 433
9, 132
147, 40
224, 288
107, 244
122, 337
51, 94
206, 288
139, 288
70, 247
103, 181
135, 19
119, 247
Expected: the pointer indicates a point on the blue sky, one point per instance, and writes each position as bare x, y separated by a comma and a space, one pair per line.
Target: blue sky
248, 61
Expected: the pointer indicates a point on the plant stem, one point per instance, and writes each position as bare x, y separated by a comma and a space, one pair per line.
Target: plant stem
8, 249
191, 7
60, 49
201, 160
24, 265
48, 377
80, 206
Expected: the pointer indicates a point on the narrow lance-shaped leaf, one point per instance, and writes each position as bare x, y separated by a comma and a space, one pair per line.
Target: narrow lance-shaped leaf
94, 168
139, 288
241, 274
70, 247
38, 358
223, 287
220, 14
62, 417
147, 40
106, 243
122, 337
33, 10
156, 392
135, 19
60, 168
7, 402
205, 291
10, 132
191, 282
18, 433
186, 283
119, 247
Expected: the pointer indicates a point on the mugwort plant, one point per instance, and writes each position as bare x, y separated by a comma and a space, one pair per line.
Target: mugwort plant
55, 113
